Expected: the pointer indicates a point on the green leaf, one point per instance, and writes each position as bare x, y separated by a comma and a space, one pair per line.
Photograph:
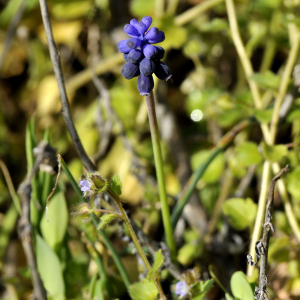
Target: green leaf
241, 212
228, 297
293, 115
293, 180
142, 290
141, 8
105, 219
55, 230
116, 185
158, 262
247, 154
175, 35
264, 116
240, 287
267, 80
274, 153
188, 252
200, 289
50, 269
215, 168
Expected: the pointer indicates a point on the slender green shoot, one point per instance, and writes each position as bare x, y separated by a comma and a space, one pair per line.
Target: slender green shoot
106, 240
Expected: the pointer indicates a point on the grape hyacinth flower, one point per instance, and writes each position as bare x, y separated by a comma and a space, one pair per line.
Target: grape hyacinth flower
142, 58
181, 289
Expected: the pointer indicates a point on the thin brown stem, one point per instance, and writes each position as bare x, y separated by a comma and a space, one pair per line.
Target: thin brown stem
62, 90
266, 234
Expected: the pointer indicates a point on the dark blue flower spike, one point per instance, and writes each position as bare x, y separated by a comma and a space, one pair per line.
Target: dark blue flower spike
143, 59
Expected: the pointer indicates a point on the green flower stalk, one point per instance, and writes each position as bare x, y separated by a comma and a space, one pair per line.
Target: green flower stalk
143, 59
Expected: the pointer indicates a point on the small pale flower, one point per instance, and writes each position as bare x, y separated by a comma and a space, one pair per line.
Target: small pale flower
181, 288
85, 185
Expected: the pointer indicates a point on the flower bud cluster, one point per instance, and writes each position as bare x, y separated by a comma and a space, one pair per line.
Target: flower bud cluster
142, 58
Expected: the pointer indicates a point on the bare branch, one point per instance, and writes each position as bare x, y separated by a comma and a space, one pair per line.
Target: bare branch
62, 90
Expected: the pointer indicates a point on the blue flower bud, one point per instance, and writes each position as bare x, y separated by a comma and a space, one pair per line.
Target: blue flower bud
133, 43
150, 51
147, 67
162, 71
152, 33
133, 22
122, 46
125, 56
147, 21
159, 38
135, 56
160, 53
141, 27
145, 84
131, 30
130, 70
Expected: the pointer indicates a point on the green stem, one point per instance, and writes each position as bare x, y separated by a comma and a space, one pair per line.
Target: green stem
194, 12
135, 240
160, 175
260, 212
284, 84
106, 240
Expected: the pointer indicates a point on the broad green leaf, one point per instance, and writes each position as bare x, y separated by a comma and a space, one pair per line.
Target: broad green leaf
293, 180
228, 297
215, 168
267, 80
50, 269
241, 213
55, 230
188, 252
240, 287
158, 262
274, 153
279, 250
141, 8
175, 35
116, 185
293, 115
247, 154
145, 289
214, 25
264, 116
105, 219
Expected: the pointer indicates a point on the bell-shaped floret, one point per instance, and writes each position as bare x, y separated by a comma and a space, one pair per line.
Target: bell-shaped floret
147, 67
145, 84
141, 27
133, 22
125, 56
122, 46
131, 30
130, 70
150, 51
133, 43
147, 21
160, 53
162, 71
135, 56
158, 38
152, 33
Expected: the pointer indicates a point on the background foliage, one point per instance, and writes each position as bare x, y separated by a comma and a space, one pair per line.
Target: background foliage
209, 83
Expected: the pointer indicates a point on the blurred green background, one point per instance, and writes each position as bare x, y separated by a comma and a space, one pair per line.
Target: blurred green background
207, 96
